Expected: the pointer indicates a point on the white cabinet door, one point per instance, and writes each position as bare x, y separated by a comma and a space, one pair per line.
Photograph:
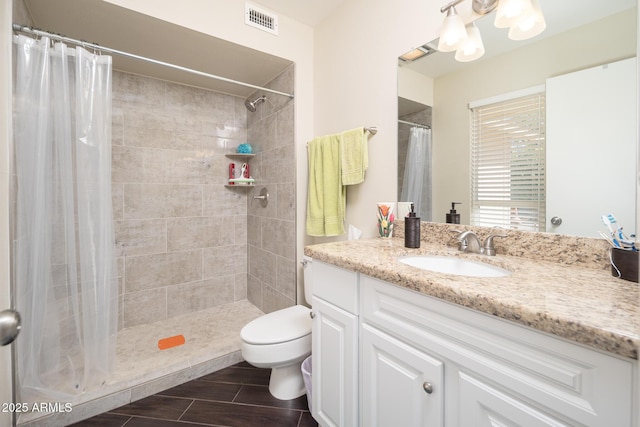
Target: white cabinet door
482, 405
334, 365
401, 386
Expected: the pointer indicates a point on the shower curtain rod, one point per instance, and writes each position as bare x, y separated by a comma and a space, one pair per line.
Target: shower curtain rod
414, 124
28, 30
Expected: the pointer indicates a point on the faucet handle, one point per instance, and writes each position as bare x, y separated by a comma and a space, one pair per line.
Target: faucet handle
488, 247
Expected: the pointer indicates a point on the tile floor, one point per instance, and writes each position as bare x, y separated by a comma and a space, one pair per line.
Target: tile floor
237, 396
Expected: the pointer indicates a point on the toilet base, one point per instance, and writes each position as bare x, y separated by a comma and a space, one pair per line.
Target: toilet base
286, 382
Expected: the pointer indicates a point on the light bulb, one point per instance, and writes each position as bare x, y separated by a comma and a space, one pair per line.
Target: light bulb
453, 33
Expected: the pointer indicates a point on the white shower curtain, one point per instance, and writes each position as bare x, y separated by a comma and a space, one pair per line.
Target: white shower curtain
416, 184
65, 278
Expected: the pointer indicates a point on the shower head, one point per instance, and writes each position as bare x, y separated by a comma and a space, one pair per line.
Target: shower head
251, 105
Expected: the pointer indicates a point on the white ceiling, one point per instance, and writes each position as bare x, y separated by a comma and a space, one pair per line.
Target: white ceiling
309, 12
122, 29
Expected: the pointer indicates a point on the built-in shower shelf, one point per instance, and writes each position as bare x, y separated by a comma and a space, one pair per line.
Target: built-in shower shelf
240, 156
239, 185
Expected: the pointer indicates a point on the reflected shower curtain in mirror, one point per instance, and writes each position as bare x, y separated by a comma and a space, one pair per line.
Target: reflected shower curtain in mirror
65, 278
416, 185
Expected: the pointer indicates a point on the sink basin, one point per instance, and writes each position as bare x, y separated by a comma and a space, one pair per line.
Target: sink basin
454, 265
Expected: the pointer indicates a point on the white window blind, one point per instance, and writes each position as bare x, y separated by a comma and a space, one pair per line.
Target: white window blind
508, 163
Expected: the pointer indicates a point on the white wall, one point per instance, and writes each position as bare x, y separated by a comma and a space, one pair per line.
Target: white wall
355, 56
415, 86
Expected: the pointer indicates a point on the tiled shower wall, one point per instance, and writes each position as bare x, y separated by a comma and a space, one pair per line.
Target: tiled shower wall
181, 235
271, 229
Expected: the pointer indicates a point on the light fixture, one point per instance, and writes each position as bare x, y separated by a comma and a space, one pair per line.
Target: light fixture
453, 34
473, 48
524, 19
510, 12
530, 24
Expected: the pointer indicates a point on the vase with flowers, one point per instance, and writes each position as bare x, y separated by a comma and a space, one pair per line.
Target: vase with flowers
385, 219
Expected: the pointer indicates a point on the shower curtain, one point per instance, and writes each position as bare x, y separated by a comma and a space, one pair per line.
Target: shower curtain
65, 278
416, 184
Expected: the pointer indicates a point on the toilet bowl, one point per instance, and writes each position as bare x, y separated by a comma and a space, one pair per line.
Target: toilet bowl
280, 341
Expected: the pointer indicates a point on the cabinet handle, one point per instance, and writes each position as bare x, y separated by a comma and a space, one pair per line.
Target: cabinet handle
428, 388
312, 315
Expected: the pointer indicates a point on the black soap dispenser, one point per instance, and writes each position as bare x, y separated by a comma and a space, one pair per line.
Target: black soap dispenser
453, 217
412, 230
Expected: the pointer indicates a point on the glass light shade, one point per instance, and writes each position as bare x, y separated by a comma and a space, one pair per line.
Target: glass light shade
510, 11
453, 33
473, 48
530, 24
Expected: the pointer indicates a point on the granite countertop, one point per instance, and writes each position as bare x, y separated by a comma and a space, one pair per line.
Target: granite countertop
588, 306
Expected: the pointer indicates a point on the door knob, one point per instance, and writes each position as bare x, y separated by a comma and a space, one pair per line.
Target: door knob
556, 220
428, 388
9, 326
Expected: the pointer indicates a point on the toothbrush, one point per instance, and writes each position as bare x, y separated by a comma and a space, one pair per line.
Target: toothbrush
606, 221
608, 238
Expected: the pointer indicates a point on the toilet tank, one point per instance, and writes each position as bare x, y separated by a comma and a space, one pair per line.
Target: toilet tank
307, 264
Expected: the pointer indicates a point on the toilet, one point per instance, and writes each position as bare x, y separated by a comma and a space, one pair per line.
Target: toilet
280, 341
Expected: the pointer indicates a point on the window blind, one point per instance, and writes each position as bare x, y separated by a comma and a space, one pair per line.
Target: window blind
508, 163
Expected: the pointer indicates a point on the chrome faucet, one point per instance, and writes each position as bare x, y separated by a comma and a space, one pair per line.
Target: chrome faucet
470, 243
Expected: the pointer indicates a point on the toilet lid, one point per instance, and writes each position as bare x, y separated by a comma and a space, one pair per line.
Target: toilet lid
279, 326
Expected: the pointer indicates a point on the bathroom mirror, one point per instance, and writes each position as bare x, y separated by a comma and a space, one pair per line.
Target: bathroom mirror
436, 91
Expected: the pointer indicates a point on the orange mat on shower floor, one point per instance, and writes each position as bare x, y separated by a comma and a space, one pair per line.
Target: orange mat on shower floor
169, 342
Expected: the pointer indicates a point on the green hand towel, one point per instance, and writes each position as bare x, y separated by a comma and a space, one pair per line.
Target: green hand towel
326, 199
354, 156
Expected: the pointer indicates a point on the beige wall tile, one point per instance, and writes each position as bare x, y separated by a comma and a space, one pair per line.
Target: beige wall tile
161, 201
286, 277
262, 264
218, 200
181, 234
137, 91
286, 201
240, 291
139, 165
190, 297
199, 232
224, 260
190, 167
145, 307
140, 237
254, 291
273, 300
154, 271
117, 196
278, 237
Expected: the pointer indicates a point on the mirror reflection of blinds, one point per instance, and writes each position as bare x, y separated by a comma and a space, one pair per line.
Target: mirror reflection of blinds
508, 163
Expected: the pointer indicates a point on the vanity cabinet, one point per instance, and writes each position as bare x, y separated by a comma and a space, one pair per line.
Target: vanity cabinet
334, 345
496, 372
385, 356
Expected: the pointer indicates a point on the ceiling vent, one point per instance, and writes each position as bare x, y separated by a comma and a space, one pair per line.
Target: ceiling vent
260, 19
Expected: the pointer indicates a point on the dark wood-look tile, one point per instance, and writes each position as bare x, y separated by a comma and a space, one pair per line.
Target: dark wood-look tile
235, 415
243, 386
306, 420
240, 375
152, 422
167, 408
104, 420
259, 395
205, 390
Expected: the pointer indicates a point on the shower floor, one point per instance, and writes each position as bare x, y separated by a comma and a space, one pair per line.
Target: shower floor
212, 342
